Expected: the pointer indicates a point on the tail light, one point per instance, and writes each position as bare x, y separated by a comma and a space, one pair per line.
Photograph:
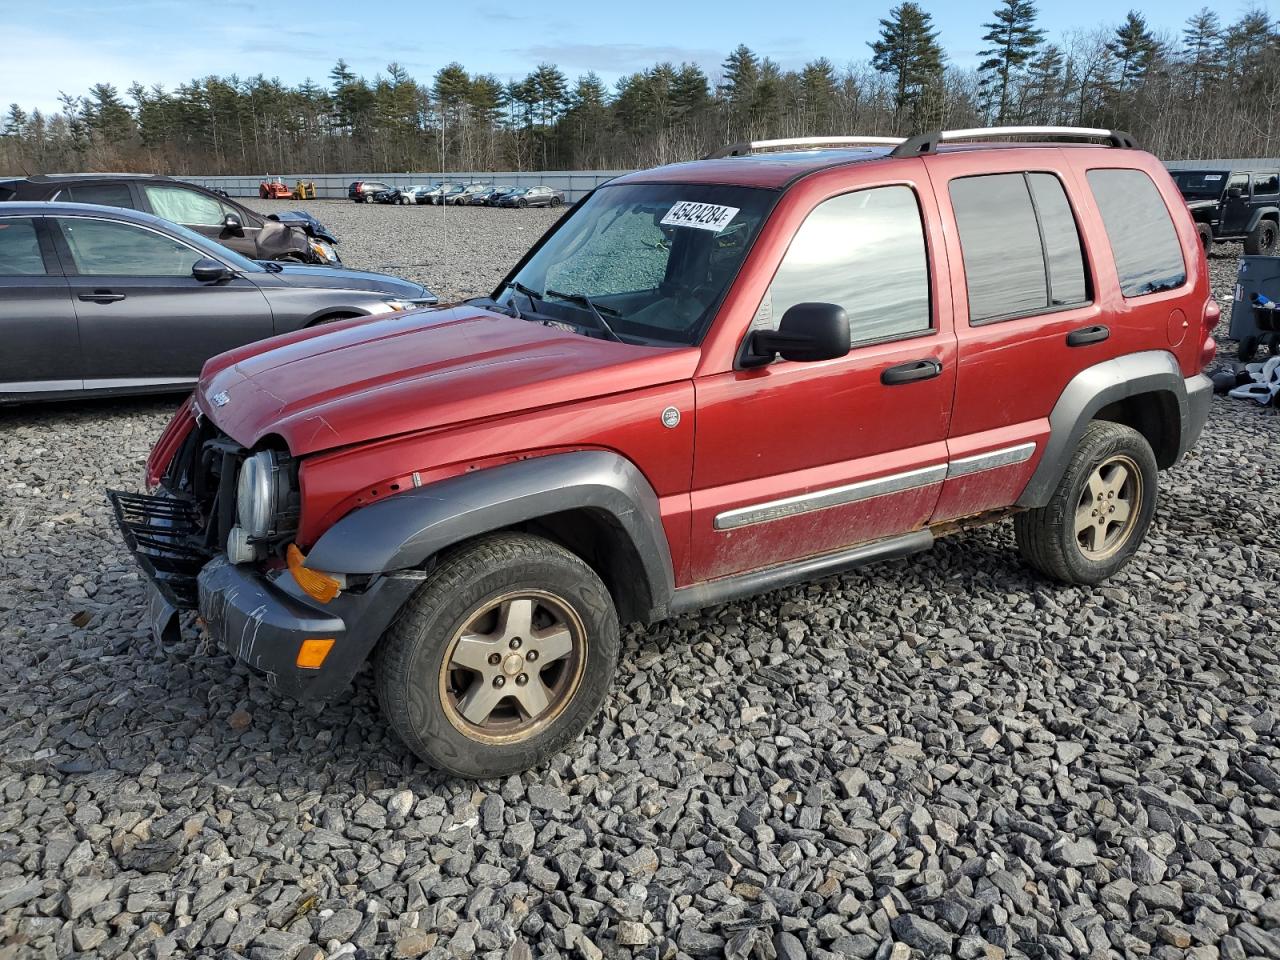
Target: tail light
1212, 315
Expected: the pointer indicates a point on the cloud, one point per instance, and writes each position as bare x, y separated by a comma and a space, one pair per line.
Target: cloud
617, 57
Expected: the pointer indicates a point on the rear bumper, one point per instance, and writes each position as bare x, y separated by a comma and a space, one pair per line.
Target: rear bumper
262, 622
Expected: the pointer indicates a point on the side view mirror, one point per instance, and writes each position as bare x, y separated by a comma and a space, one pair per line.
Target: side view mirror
231, 223
208, 270
1235, 193
807, 332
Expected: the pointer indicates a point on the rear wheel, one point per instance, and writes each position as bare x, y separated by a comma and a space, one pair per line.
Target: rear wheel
1099, 514
1261, 239
555, 201
501, 658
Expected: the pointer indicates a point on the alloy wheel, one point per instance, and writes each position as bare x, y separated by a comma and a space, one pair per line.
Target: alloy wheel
1109, 505
513, 667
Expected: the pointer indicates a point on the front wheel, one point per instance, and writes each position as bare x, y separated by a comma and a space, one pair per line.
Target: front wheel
1205, 232
522, 204
555, 201
501, 658
1099, 514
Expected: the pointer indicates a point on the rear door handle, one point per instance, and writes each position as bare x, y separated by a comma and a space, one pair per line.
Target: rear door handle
1087, 335
911, 372
101, 296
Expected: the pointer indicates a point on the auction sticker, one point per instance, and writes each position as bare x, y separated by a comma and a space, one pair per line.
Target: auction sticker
703, 216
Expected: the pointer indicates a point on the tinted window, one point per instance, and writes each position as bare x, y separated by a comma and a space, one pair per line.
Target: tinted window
106, 248
865, 252
1020, 245
183, 206
1061, 240
1266, 183
107, 194
1143, 239
20, 249
1000, 241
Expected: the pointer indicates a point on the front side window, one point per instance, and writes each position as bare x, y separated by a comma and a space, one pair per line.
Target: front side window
106, 194
107, 248
20, 248
655, 259
184, 206
1143, 239
865, 252
1020, 245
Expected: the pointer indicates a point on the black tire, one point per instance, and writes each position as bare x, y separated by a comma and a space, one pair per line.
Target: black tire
414, 684
1247, 348
1206, 237
555, 201
1048, 536
522, 204
1261, 239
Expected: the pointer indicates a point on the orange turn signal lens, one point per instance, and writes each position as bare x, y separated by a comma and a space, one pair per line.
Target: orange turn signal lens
313, 651
315, 584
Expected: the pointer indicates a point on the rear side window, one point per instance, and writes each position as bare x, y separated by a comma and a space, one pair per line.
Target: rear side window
1020, 245
107, 194
20, 248
863, 251
1141, 233
1266, 183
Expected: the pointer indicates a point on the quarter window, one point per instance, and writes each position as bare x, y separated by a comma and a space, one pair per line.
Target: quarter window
106, 248
1141, 233
865, 252
20, 248
1266, 183
1020, 245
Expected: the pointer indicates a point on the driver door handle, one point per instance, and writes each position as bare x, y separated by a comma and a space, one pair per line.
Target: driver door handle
911, 372
101, 296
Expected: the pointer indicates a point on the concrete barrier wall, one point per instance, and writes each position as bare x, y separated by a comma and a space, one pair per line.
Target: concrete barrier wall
333, 186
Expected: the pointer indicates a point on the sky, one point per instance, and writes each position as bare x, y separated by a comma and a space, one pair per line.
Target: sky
69, 45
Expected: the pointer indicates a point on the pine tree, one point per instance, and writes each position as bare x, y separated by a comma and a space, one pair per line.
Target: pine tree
1133, 47
1202, 49
1013, 39
818, 94
738, 88
908, 51
1044, 86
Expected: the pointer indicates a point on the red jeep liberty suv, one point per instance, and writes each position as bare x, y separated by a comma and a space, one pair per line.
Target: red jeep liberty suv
707, 380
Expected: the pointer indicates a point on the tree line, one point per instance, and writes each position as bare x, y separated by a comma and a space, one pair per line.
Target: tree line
1207, 90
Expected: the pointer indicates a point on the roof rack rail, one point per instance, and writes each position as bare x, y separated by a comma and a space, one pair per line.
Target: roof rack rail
925, 143
747, 148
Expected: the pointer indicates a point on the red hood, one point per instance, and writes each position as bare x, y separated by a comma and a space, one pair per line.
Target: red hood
365, 379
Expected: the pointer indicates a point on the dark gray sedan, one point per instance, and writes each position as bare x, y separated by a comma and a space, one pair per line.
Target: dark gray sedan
100, 300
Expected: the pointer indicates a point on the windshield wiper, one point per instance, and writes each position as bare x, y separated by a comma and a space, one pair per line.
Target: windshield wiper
582, 300
519, 287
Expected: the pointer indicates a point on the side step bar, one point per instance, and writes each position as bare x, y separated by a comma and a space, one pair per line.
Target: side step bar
712, 592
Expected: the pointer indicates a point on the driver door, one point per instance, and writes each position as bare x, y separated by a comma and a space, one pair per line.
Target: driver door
144, 320
1236, 210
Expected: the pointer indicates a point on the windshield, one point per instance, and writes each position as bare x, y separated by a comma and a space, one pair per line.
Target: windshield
655, 259
1200, 183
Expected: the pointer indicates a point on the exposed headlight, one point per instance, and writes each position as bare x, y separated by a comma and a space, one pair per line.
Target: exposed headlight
324, 251
261, 493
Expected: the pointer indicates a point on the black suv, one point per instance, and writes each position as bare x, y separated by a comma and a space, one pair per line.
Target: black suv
363, 191
1231, 204
290, 235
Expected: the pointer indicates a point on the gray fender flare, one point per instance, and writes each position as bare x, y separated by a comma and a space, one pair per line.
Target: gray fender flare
1093, 388
406, 529
1259, 213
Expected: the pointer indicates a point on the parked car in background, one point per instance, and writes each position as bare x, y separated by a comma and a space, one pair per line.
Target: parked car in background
461, 194
290, 235
532, 197
104, 300
437, 191
362, 191
709, 380
389, 195
415, 194
494, 194
1234, 205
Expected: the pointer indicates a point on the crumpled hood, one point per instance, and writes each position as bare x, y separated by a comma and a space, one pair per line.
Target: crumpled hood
367, 378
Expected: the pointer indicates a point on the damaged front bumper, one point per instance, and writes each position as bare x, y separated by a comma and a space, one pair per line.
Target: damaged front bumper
260, 618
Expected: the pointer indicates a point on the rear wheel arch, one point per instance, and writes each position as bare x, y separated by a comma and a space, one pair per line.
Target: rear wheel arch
1154, 415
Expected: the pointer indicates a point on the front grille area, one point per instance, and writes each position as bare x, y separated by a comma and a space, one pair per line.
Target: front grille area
165, 534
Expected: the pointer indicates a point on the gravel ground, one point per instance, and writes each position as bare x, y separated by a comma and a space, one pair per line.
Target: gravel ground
938, 757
